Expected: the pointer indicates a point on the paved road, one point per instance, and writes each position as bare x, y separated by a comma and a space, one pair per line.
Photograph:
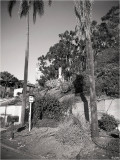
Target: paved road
10, 153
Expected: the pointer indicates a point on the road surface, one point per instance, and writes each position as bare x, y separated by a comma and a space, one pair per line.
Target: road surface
10, 153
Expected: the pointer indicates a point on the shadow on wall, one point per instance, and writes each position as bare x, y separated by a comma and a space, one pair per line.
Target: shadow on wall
78, 85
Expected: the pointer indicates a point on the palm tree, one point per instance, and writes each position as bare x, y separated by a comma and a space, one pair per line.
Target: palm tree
83, 10
24, 8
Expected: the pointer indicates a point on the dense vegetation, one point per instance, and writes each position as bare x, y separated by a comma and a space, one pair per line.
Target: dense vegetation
46, 107
70, 54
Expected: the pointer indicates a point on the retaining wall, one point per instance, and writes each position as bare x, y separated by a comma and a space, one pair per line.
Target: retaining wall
109, 106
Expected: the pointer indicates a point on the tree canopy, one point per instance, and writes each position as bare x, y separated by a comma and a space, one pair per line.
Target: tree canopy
70, 54
9, 80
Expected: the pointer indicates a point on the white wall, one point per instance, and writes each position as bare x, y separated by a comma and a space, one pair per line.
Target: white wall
11, 110
109, 106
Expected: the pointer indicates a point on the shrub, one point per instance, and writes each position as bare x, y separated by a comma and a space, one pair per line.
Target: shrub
52, 83
107, 122
65, 86
46, 107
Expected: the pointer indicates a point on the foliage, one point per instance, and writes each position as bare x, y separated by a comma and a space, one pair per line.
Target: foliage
67, 53
42, 81
70, 54
107, 68
107, 73
65, 86
46, 107
8, 80
106, 34
52, 83
25, 6
107, 122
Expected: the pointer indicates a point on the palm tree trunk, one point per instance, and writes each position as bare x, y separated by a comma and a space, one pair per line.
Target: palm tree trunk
5, 90
25, 74
93, 104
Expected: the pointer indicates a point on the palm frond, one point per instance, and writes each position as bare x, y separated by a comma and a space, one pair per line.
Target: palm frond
38, 7
11, 4
24, 8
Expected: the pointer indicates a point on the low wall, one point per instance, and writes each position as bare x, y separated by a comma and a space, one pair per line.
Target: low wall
11, 110
109, 106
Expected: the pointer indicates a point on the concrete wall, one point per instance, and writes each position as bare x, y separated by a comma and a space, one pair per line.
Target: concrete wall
109, 106
11, 110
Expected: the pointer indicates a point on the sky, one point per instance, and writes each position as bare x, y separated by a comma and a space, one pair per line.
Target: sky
43, 34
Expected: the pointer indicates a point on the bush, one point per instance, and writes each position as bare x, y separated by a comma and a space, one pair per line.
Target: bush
107, 122
65, 86
52, 83
46, 107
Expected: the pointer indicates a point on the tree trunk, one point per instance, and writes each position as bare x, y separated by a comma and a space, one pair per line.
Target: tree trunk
83, 12
60, 73
25, 74
5, 90
93, 104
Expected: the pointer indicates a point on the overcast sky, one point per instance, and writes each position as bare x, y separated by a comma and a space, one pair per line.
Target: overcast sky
44, 33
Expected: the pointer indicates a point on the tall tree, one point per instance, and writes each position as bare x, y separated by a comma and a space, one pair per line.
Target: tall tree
107, 68
83, 14
24, 8
68, 53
